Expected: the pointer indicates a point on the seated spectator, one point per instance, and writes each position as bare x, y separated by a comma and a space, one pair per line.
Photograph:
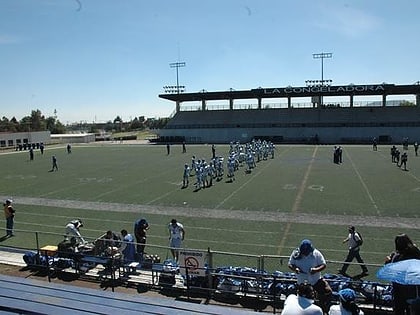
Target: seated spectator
107, 245
347, 304
128, 249
302, 303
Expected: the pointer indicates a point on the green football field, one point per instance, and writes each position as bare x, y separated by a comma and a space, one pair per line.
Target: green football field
299, 194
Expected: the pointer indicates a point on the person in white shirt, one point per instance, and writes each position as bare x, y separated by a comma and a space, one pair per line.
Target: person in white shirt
176, 236
308, 262
354, 241
347, 304
72, 229
302, 303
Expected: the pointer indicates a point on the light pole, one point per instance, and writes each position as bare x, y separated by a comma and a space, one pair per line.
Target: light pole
177, 65
322, 56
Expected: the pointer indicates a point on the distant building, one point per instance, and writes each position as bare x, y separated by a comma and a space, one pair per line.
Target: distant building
22, 140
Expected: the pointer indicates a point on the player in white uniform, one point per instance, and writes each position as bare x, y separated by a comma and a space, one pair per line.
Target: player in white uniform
176, 236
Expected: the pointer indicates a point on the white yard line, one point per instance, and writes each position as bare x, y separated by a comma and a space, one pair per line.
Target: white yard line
378, 212
298, 200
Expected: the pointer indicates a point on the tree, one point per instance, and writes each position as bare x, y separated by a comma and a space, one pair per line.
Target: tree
407, 103
136, 124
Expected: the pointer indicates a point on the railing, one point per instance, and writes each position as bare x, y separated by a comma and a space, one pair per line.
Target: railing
265, 279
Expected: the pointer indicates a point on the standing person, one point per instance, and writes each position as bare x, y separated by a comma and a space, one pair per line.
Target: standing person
404, 158
186, 176
54, 163
176, 236
140, 228
347, 304
9, 214
31, 154
404, 249
168, 148
69, 148
302, 303
41, 147
184, 148
308, 262
355, 241
375, 144
127, 247
73, 230
416, 148
213, 151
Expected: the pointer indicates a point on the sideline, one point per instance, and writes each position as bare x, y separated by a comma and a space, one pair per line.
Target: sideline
267, 216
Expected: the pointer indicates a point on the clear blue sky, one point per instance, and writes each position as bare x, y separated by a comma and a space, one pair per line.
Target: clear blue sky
92, 60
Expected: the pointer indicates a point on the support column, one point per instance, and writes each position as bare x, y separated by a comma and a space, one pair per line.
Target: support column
178, 106
259, 102
231, 104
383, 100
417, 99
351, 100
203, 105
289, 102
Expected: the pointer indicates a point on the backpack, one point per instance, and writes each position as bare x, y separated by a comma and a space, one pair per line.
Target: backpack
360, 241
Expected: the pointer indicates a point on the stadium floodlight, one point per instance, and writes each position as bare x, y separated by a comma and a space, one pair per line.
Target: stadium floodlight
177, 65
322, 56
172, 89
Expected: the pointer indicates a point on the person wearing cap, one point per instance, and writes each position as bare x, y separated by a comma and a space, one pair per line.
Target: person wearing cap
176, 236
308, 262
302, 303
347, 304
354, 241
9, 215
73, 229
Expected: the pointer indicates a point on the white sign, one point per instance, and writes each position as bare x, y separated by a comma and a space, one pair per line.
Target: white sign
193, 261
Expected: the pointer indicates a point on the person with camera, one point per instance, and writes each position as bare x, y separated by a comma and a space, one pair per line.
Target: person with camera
140, 229
9, 214
308, 262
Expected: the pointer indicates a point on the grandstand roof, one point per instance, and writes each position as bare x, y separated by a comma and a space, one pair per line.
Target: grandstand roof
289, 91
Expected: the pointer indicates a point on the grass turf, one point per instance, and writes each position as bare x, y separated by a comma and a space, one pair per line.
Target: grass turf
299, 180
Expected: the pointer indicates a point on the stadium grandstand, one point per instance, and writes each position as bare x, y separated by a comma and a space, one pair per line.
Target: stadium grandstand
280, 115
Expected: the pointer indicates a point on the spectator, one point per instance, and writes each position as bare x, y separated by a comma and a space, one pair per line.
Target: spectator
9, 214
176, 236
347, 304
140, 228
302, 303
127, 247
355, 241
107, 244
308, 262
73, 229
404, 249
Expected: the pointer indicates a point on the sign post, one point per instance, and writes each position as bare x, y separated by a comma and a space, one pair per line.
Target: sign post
194, 261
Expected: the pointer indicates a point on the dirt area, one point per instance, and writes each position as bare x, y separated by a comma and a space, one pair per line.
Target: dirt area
373, 221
